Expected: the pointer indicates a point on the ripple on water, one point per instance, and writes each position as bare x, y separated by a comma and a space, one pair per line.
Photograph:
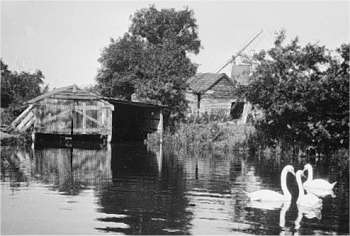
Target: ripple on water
134, 194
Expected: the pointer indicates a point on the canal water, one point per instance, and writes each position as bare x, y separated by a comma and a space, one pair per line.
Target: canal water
130, 189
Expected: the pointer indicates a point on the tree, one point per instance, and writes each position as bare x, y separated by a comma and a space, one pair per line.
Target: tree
5, 79
119, 66
151, 59
19, 87
304, 92
167, 26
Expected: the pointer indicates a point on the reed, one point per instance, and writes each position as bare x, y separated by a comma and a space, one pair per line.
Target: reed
197, 138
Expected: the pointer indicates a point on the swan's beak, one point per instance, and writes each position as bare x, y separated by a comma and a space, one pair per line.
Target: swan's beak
293, 173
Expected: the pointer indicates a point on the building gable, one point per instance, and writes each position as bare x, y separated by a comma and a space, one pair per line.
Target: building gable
222, 89
202, 82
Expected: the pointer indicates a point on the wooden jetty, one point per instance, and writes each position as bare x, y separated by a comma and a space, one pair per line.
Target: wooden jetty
70, 113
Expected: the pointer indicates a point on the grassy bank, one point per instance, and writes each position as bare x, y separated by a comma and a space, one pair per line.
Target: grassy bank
200, 139
212, 136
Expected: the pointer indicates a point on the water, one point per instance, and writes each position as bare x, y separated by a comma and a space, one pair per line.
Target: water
128, 189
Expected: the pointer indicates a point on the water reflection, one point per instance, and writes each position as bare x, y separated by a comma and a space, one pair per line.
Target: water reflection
51, 191
152, 200
70, 170
134, 189
283, 212
309, 213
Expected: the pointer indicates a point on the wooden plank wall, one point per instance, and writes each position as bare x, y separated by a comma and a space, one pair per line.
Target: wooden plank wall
55, 116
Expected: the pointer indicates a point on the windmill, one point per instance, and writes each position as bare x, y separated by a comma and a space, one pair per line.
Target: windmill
237, 71
233, 58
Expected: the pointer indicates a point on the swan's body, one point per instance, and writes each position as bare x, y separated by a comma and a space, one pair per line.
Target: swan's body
269, 195
266, 205
319, 187
309, 199
266, 195
319, 192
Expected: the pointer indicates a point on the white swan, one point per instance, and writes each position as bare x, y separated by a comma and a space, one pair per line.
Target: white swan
309, 199
316, 185
271, 205
268, 195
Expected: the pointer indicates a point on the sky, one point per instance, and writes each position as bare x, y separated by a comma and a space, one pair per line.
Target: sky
64, 39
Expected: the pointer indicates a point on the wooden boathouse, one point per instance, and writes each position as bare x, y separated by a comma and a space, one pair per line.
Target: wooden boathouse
70, 113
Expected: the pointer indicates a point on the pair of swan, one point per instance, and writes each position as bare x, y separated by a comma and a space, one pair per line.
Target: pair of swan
308, 200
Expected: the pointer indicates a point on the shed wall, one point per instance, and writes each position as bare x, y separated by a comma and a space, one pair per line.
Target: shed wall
217, 99
77, 117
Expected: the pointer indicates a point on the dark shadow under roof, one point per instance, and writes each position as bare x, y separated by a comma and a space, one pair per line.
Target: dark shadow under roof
115, 101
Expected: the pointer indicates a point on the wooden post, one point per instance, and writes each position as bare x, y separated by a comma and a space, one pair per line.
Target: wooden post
160, 126
109, 124
103, 117
33, 140
84, 118
198, 104
72, 120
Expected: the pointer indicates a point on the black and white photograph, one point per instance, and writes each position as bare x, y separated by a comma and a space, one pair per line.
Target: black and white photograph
174, 117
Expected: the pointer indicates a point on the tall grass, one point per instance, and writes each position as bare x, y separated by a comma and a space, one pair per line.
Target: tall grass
210, 136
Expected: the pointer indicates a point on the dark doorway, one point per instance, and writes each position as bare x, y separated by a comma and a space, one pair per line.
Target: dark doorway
236, 109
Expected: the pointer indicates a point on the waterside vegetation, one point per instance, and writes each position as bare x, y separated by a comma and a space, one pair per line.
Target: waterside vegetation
213, 136
301, 90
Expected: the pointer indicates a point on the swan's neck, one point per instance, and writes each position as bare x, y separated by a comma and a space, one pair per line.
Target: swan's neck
285, 190
300, 187
310, 173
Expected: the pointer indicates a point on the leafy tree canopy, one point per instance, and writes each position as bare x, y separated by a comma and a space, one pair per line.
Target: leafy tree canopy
304, 93
167, 26
19, 87
151, 59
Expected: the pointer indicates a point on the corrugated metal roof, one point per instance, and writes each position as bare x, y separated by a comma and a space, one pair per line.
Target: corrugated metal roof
202, 82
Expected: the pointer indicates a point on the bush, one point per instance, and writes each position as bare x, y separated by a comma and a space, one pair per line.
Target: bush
304, 94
